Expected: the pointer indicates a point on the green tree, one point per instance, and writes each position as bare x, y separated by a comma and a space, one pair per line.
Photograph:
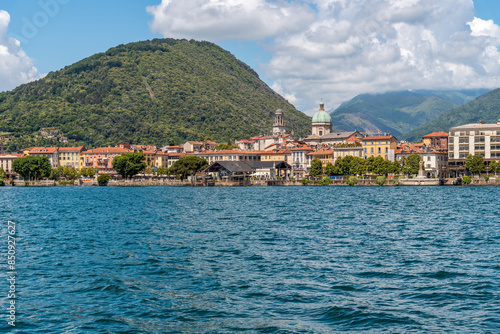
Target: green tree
352, 180
474, 164
103, 178
396, 167
226, 147
70, 173
329, 169
188, 166
379, 166
2, 174
325, 180
381, 180
316, 167
129, 164
358, 166
493, 167
369, 164
161, 171
411, 164
88, 172
32, 167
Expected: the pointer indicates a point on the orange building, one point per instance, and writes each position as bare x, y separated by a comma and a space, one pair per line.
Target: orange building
101, 158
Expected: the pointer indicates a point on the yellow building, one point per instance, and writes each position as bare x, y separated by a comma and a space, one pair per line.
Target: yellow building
276, 155
71, 156
379, 146
150, 158
325, 155
161, 159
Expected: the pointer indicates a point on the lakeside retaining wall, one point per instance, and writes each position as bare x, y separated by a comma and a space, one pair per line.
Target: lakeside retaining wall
242, 183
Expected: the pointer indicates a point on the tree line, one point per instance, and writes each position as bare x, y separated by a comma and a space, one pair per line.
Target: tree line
127, 165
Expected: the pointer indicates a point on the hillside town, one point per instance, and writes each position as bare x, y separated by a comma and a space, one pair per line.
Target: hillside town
443, 154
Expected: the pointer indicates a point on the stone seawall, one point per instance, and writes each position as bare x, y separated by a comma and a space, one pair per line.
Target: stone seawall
242, 183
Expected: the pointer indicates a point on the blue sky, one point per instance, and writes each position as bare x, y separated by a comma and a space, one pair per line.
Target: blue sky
306, 50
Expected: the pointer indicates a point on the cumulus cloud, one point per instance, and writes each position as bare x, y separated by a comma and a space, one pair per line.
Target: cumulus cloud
15, 66
350, 47
219, 20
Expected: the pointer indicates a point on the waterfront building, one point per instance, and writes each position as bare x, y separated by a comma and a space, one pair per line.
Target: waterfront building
325, 155
238, 170
6, 161
276, 155
101, 158
352, 147
150, 156
379, 145
230, 155
71, 156
301, 162
473, 138
435, 159
173, 157
50, 152
161, 159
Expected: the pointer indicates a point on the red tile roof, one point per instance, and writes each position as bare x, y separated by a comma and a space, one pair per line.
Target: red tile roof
352, 138
62, 149
41, 150
378, 138
437, 134
322, 152
277, 152
303, 148
101, 150
176, 155
208, 152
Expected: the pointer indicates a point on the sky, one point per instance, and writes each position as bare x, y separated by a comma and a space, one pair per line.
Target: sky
306, 50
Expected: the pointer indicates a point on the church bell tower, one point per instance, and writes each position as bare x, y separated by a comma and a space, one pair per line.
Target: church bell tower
279, 123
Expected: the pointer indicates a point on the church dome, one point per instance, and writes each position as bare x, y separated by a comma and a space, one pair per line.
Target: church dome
321, 116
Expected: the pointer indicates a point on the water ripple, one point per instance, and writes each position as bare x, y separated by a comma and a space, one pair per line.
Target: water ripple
258, 260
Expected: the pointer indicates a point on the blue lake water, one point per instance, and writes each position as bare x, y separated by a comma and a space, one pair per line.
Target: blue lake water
257, 259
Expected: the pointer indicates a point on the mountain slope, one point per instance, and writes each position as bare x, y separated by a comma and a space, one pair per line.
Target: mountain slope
157, 92
397, 112
485, 108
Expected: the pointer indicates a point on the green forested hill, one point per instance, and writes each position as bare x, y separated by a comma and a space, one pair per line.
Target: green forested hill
485, 108
155, 92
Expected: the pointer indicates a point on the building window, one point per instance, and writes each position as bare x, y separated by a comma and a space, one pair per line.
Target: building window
372, 150
379, 150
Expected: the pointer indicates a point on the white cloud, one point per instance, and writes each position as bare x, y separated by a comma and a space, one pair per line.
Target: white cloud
15, 66
484, 28
350, 46
218, 20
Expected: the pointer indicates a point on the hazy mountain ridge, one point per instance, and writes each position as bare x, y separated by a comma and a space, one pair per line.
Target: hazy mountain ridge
397, 112
484, 108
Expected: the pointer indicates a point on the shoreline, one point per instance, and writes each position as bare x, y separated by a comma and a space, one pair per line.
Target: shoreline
476, 182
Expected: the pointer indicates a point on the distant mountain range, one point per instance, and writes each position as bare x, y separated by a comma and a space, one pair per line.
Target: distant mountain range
484, 108
152, 92
398, 112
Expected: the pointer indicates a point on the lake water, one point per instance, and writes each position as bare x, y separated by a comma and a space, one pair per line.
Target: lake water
256, 259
